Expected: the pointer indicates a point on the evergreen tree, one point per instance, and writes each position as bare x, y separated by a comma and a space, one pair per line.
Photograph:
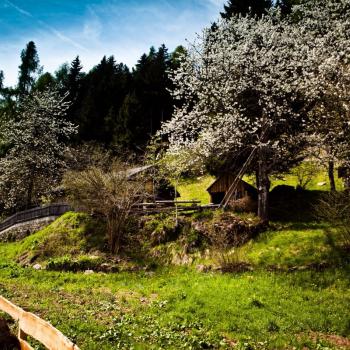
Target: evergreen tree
45, 81
102, 94
7, 100
61, 77
129, 131
152, 82
244, 7
176, 55
73, 85
286, 5
74, 78
28, 69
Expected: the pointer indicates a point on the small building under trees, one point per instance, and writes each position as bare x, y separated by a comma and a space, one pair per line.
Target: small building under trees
219, 188
344, 173
156, 186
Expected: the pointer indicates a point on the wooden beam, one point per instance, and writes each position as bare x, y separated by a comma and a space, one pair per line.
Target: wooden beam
33, 326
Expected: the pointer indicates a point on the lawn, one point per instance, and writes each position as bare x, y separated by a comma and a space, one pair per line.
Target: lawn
285, 301
179, 308
296, 294
195, 189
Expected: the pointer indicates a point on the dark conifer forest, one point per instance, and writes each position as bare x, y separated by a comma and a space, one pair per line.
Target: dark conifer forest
112, 105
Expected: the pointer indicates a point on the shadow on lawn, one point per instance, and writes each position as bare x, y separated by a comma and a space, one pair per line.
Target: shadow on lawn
296, 206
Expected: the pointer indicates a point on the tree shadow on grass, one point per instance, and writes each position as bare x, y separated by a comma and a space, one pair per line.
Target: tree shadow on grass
295, 206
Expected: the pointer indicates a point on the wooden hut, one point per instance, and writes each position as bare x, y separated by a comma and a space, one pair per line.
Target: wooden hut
344, 173
156, 188
219, 188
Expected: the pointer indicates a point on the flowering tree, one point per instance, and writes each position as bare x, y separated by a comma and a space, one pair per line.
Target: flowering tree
35, 159
248, 88
330, 117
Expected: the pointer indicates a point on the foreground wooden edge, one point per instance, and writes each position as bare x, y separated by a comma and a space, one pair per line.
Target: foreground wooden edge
33, 326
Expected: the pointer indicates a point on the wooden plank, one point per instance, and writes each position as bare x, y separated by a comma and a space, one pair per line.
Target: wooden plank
14, 311
33, 326
25, 345
44, 332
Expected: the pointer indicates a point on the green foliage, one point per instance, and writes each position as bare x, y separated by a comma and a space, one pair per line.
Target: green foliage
71, 234
161, 228
244, 7
334, 208
45, 81
82, 263
292, 247
261, 307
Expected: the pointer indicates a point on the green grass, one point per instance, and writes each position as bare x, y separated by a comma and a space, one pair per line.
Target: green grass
285, 302
178, 308
195, 189
292, 246
291, 179
71, 234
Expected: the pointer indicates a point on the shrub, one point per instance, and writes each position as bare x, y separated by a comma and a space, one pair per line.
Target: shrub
66, 263
231, 261
110, 193
335, 209
161, 229
244, 205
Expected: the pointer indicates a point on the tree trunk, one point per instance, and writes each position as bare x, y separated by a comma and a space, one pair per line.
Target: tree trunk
331, 175
30, 192
263, 184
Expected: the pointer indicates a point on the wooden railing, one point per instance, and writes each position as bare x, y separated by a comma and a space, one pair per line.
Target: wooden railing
35, 213
33, 326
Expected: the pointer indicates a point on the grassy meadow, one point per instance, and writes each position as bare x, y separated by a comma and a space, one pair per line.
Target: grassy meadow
294, 293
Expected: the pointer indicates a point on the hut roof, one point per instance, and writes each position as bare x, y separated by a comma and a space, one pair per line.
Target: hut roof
135, 171
245, 184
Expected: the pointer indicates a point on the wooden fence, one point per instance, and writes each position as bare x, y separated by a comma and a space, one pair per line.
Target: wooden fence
33, 326
36, 213
56, 210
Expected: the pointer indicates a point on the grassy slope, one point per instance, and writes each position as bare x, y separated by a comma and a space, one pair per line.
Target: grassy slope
292, 246
174, 308
71, 234
195, 189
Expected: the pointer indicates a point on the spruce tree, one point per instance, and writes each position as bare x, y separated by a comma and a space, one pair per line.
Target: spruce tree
244, 7
74, 78
103, 92
28, 69
1, 80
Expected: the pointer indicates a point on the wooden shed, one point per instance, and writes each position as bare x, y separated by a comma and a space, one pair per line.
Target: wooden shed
159, 189
344, 173
219, 188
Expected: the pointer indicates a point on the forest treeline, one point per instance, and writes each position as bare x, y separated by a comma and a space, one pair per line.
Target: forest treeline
113, 105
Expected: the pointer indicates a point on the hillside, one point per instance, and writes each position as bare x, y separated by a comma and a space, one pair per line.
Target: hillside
294, 292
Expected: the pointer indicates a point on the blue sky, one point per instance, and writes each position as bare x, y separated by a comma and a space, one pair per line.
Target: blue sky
63, 29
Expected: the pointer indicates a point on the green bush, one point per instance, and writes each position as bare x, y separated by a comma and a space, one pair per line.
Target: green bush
66, 263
